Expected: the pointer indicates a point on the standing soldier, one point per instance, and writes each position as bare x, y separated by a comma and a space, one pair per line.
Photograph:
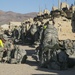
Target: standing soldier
15, 33
48, 41
23, 33
1, 49
19, 32
73, 22
33, 30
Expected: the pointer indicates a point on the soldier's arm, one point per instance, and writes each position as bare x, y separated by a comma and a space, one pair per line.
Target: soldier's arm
1, 43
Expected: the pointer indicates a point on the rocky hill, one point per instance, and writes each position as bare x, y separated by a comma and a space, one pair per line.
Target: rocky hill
6, 17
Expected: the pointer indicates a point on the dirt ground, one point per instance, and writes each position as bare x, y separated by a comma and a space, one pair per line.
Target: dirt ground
31, 67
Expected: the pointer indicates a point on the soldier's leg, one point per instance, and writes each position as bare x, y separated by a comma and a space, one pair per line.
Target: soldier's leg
49, 54
1, 56
42, 59
71, 62
8, 55
19, 58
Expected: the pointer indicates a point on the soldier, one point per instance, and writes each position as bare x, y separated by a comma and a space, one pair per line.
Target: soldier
43, 28
74, 46
19, 31
9, 47
40, 32
49, 40
23, 33
15, 33
59, 59
62, 59
20, 55
70, 51
50, 31
69, 47
33, 30
1, 49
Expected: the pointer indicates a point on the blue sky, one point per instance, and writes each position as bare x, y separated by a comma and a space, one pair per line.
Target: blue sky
27, 6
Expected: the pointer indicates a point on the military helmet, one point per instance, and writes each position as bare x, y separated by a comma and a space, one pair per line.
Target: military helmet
40, 13
54, 8
38, 23
50, 26
63, 13
46, 12
5, 37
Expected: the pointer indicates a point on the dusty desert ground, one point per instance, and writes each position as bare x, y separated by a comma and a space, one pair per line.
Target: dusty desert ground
31, 67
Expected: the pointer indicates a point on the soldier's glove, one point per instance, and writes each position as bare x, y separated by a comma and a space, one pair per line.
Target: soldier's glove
5, 49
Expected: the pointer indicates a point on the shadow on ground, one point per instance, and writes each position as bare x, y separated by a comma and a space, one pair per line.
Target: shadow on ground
70, 71
32, 63
44, 74
30, 52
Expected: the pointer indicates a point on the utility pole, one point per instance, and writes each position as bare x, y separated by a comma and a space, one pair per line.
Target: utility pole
66, 1
40, 8
74, 2
59, 4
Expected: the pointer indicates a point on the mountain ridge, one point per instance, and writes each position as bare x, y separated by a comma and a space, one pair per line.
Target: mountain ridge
6, 17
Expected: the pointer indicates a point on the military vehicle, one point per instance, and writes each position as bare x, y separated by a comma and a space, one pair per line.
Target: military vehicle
63, 19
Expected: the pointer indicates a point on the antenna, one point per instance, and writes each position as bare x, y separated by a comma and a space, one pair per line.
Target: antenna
39, 8
45, 6
53, 3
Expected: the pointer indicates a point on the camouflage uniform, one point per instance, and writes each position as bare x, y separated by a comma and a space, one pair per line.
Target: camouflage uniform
1, 48
50, 39
63, 60
40, 33
1, 53
20, 55
15, 34
9, 46
19, 30
69, 47
74, 46
33, 31
23, 33
59, 58
50, 34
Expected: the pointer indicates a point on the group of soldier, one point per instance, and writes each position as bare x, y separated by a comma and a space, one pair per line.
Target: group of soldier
26, 31
51, 52
9, 52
